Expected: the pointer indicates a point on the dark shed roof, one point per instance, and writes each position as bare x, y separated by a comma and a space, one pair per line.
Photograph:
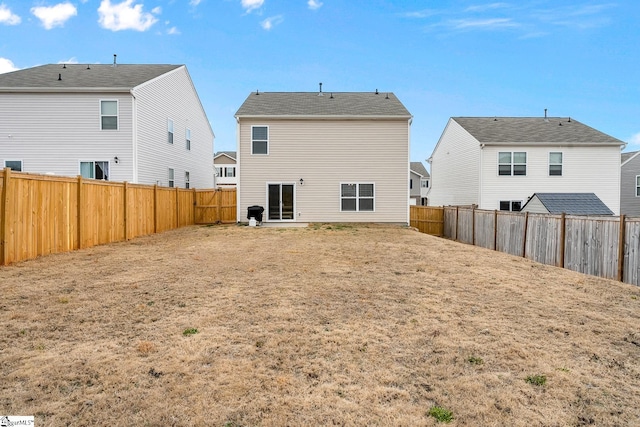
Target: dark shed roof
573, 203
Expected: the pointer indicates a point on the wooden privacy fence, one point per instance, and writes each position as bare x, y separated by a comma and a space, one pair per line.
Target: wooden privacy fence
599, 246
427, 219
41, 215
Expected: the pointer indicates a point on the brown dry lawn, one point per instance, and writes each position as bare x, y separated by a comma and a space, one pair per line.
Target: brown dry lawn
326, 325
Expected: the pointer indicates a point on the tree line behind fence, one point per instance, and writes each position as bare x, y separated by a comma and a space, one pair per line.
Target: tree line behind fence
42, 214
599, 246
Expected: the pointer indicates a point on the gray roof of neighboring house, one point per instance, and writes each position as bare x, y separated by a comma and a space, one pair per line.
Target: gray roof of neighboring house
535, 130
231, 154
626, 156
336, 104
573, 203
82, 76
419, 168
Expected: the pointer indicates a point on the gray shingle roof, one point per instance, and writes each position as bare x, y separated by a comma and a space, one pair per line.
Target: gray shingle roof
626, 156
533, 130
573, 203
231, 154
45, 77
419, 168
343, 104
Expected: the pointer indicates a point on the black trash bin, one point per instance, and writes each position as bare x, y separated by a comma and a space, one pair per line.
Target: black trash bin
255, 212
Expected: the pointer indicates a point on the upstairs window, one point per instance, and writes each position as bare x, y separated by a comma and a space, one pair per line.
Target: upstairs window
230, 171
511, 205
555, 164
172, 175
512, 163
357, 197
109, 115
170, 130
637, 185
259, 140
14, 165
410, 184
186, 179
424, 183
95, 170
188, 138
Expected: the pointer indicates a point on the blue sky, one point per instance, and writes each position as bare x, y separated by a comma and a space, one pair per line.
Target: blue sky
441, 58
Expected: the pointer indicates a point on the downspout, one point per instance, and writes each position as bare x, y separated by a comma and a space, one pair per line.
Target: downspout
480, 175
134, 137
238, 170
408, 218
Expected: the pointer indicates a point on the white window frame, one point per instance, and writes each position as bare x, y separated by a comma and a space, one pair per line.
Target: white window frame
260, 140
108, 115
511, 202
512, 163
170, 131
93, 168
187, 179
561, 164
358, 197
637, 185
226, 171
14, 160
187, 137
171, 174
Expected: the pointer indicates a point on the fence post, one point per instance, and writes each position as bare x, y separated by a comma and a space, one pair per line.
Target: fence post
456, 238
219, 205
524, 238
155, 208
621, 249
473, 225
562, 238
495, 229
195, 205
79, 213
126, 212
177, 208
4, 222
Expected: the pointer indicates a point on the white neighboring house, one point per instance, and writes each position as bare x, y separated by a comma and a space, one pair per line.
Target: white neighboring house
418, 184
226, 169
137, 123
499, 162
324, 157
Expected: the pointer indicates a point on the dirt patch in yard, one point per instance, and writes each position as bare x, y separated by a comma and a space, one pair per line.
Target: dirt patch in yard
325, 325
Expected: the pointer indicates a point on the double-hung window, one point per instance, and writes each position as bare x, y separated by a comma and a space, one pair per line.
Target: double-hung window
637, 185
14, 165
357, 197
186, 179
555, 164
95, 170
108, 115
188, 138
172, 174
170, 131
512, 163
259, 140
511, 205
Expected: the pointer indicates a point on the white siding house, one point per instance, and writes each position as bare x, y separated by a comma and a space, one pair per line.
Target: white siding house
418, 184
320, 157
226, 169
107, 122
500, 162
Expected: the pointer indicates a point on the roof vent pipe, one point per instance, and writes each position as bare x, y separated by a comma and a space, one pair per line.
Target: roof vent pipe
64, 65
376, 91
320, 93
59, 76
114, 60
545, 115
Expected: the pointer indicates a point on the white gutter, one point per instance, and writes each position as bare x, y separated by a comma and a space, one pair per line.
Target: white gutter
134, 137
238, 169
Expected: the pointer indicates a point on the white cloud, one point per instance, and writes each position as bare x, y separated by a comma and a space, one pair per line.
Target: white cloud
6, 66
125, 16
173, 31
269, 23
484, 7
194, 2
8, 17
54, 16
71, 60
635, 139
156, 10
314, 4
250, 5
489, 24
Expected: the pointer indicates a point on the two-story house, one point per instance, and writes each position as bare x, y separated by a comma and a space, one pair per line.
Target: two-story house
418, 184
630, 184
324, 157
121, 122
226, 169
500, 162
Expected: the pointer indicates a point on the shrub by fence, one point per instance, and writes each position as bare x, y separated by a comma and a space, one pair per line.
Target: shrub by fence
600, 246
41, 214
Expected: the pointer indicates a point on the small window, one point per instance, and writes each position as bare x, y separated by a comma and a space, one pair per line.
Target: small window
188, 138
357, 197
14, 165
637, 185
259, 140
219, 171
511, 205
555, 164
95, 170
109, 115
170, 130
424, 183
230, 171
186, 179
171, 177
410, 184
512, 163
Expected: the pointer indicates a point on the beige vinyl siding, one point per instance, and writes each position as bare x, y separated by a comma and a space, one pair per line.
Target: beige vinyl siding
224, 160
326, 153
415, 188
629, 202
52, 133
172, 96
585, 169
535, 206
455, 168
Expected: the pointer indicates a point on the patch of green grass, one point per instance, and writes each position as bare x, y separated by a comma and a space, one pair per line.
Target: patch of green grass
189, 331
475, 360
538, 380
441, 414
